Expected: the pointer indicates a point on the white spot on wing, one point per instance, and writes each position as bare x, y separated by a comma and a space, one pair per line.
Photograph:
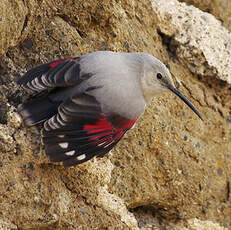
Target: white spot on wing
101, 143
61, 136
44, 80
29, 86
50, 123
59, 120
107, 144
37, 84
70, 153
81, 157
63, 145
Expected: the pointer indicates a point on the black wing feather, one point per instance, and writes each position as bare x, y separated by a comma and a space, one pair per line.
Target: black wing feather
71, 141
60, 73
99, 152
75, 128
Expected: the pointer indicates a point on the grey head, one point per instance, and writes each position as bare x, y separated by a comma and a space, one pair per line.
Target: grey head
157, 79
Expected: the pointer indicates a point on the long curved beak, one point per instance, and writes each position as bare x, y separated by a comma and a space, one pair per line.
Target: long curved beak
185, 100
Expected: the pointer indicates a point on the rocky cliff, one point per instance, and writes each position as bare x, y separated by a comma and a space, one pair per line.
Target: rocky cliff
172, 171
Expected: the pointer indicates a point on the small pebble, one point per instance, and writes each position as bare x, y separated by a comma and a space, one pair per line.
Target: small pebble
228, 120
39, 186
3, 113
49, 32
183, 214
126, 44
219, 171
181, 152
117, 163
27, 43
203, 209
31, 166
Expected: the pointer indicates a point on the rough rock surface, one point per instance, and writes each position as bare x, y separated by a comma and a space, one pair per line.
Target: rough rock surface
221, 9
171, 171
199, 43
13, 23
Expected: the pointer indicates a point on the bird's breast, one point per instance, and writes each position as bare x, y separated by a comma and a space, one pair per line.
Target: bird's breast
125, 100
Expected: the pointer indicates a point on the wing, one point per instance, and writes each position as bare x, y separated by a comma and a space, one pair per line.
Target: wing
59, 73
78, 129
81, 131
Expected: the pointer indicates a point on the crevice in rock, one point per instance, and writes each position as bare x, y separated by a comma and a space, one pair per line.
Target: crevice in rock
81, 34
3, 113
64, 17
151, 216
227, 191
25, 24
169, 42
65, 184
206, 7
69, 22
191, 94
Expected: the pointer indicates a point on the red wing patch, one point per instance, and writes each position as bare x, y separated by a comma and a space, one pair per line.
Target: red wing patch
83, 142
80, 131
53, 64
102, 125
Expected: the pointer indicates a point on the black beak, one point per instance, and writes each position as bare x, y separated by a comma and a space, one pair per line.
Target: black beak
186, 101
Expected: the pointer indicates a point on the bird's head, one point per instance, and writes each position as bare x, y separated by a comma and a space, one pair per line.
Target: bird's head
157, 79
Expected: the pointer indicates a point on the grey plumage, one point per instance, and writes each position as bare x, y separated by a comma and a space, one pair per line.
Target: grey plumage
93, 100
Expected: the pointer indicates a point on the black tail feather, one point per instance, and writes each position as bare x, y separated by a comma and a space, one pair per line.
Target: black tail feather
37, 110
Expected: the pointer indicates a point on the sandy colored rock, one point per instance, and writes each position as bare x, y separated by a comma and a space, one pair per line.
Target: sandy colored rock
170, 167
221, 9
204, 225
196, 38
12, 21
7, 226
148, 220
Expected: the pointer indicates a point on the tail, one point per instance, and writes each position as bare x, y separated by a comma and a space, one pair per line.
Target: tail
37, 110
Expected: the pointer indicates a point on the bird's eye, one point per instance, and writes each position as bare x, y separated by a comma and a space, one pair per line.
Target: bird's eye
159, 76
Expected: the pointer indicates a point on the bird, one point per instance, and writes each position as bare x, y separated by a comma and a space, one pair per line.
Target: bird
87, 103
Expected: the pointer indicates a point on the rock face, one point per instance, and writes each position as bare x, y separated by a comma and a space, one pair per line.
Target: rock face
171, 171
221, 9
13, 22
200, 43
